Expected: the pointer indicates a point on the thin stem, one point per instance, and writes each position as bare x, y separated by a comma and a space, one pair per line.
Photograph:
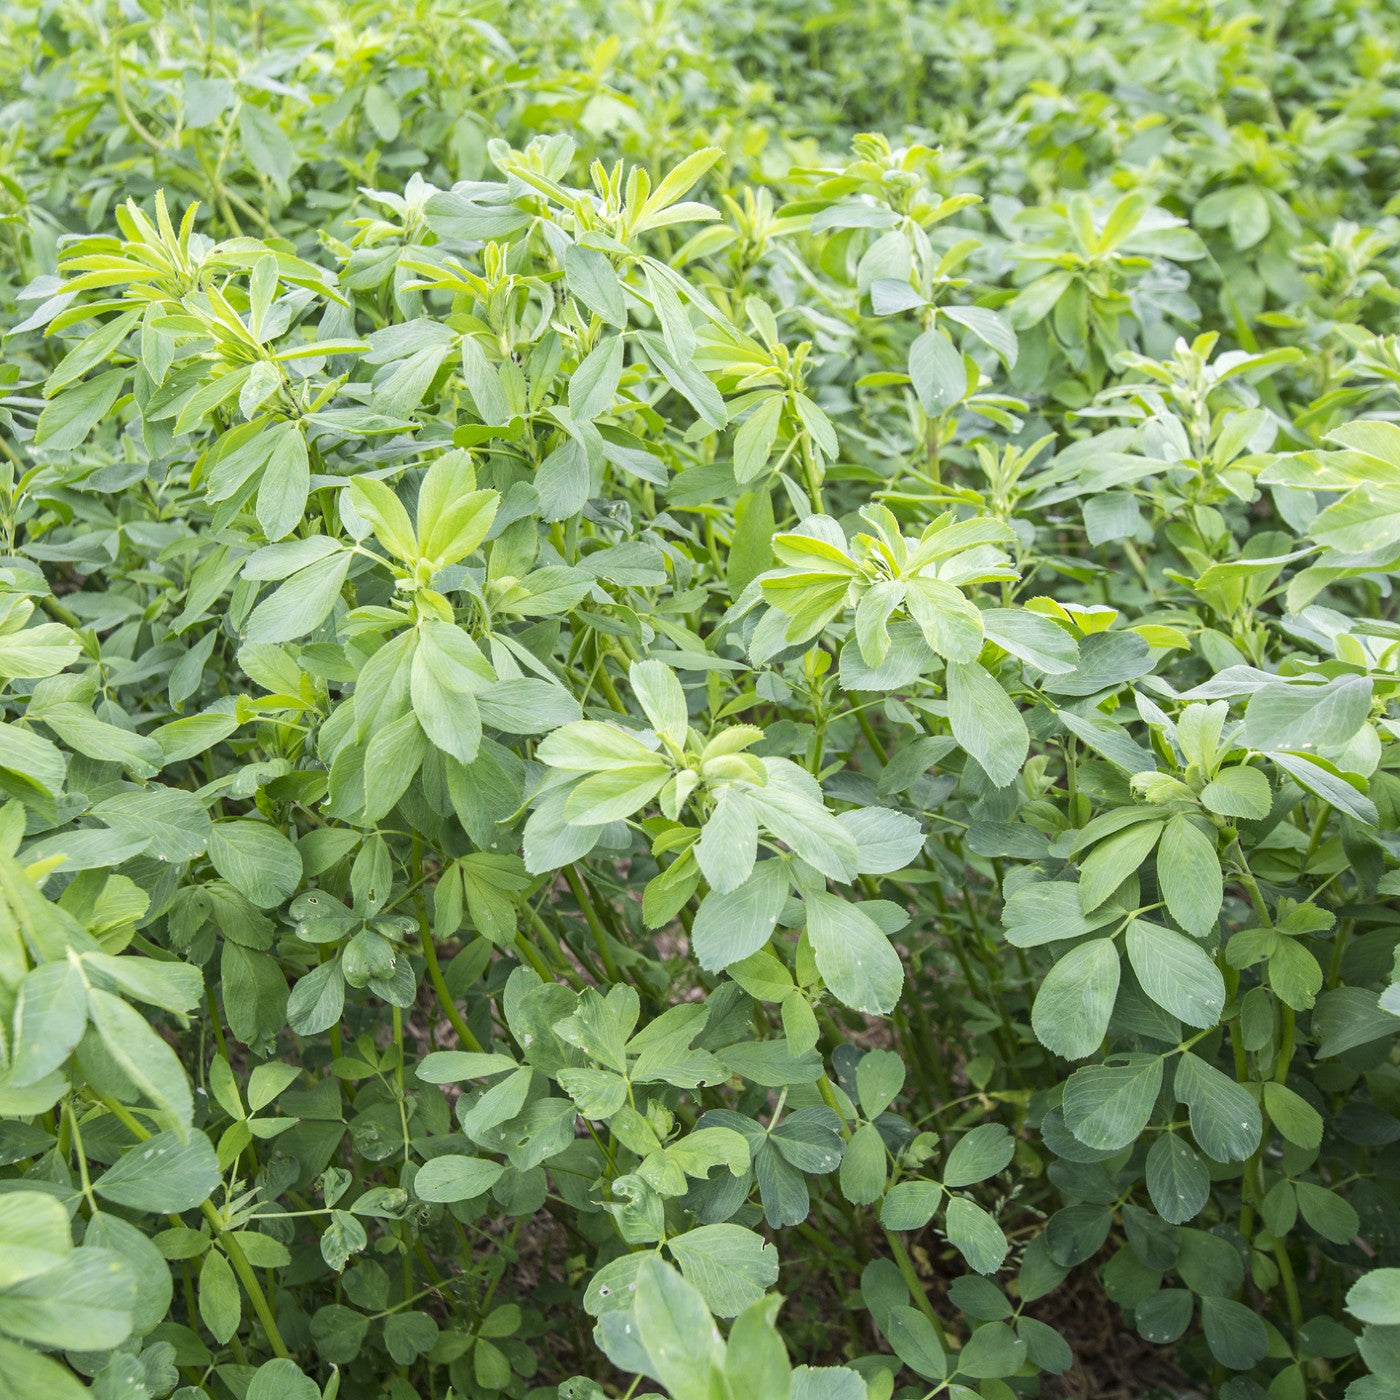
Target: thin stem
444, 996
595, 927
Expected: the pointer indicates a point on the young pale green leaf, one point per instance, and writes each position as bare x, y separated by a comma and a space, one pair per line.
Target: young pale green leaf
662, 700
376, 502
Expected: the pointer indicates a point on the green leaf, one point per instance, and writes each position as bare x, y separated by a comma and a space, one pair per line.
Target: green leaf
676, 1332
173, 824
1238, 792
1175, 972
456, 1178
730, 1266
25, 1372
49, 1019
281, 1379
220, 1304
34, 1236
34, 652
853, 954
827, 1383
1375, 1298
1293, 1116
257, 860
162, 1175
983, 1152
1075, 1001
1308, 716
84, 1303
301, 604
1046, 911
590, 277
154, 1286
1225, 1119
916, 1344
453, 518
1177, 1180
937, 372
593, 385
317, 1001
910, 1205
993, 1350
1328, 1213
879, 1078
447, 669
146, 1060
1188, 871
975, 1234
1113, 861
863, 1166
286, 482
986, 724
265, 144
1235, 1333
662, 700
1107, 1106
376, 502
731, 926
989, 327
68, 419
1339, 790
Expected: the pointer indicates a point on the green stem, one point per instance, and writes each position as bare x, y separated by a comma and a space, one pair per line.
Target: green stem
83, 1178
444, 996
914, 1283
595, 927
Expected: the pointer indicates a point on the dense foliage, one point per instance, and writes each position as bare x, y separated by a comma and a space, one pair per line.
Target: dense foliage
624, 701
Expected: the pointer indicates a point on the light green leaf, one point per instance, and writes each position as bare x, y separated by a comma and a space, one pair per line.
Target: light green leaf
1107, 1106
1075, 1001
986, 724
1188, 872
1225, 1118
731, 926
731, 1267
1175, 972
456, 1178
853, 954
975, 1234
